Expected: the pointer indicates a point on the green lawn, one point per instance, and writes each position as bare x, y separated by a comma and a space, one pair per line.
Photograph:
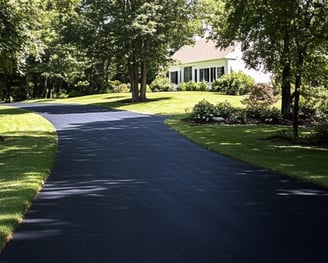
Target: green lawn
27, 155
167, 103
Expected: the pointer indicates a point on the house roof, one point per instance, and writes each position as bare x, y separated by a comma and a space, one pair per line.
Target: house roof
202, 50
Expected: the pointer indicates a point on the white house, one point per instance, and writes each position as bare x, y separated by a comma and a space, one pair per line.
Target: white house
204, 61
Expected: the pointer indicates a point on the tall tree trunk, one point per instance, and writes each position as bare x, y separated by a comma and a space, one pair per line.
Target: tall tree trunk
46, 87
143, 87
28, 95
8, 87
134, 83
286, 79
298, 82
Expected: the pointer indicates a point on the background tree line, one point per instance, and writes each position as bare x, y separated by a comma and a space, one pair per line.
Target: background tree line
54, 47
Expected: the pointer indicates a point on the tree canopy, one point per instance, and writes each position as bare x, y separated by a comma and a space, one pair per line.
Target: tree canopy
58, 45
284, 36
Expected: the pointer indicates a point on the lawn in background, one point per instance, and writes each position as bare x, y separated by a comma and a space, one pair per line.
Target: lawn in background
26, 157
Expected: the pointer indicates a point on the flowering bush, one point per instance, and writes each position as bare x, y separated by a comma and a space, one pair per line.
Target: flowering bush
203, 111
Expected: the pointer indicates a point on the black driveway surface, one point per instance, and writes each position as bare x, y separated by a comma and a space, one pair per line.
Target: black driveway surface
127, 188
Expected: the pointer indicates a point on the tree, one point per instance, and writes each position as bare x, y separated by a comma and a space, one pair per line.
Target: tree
282, 35
142, 32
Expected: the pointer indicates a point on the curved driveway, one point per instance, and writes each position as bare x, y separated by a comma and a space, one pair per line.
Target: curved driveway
126, 188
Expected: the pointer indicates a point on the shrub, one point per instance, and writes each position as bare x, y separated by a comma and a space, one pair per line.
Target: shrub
161, 83
114, 85
261, 96
320, 136
74, 93
313, 101
191, 86
123, 88
270, 115
203, 111
80, 89
182, 86
202, 86
224, 110
235, 83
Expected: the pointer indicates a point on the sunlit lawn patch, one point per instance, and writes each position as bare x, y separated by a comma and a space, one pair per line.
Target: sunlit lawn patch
27, 155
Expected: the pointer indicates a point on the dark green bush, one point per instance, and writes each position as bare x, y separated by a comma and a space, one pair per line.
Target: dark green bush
224, 110
203, 111
80, 89
74, 93
320, 136
270, 115
235, 83
313, 101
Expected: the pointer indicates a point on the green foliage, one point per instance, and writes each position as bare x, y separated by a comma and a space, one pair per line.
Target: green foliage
202, 86
270, 115
320, 136
114, 85
287, 37
123, 88
259, 104
314, 102
261, 96
193, 86
161, 83
235, 83
203, 111
224, 109
81, 88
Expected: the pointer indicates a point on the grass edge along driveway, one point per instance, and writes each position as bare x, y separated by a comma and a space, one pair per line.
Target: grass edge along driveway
27, 156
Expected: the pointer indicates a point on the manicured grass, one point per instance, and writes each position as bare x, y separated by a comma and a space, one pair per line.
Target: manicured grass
27, 155
251, 144
167, 103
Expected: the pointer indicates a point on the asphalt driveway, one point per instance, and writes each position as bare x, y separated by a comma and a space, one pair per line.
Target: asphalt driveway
126, 188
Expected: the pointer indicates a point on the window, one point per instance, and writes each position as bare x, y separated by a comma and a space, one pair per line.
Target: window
174, 77
196, 75
220, 72
213, 74
204, 74
187, 74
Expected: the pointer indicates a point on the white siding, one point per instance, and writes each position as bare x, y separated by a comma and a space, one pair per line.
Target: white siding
232, 63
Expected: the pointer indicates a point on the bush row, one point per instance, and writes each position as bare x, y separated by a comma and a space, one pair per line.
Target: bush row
258, 107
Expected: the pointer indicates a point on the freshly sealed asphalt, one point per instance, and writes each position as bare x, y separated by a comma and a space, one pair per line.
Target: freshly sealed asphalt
127, 188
